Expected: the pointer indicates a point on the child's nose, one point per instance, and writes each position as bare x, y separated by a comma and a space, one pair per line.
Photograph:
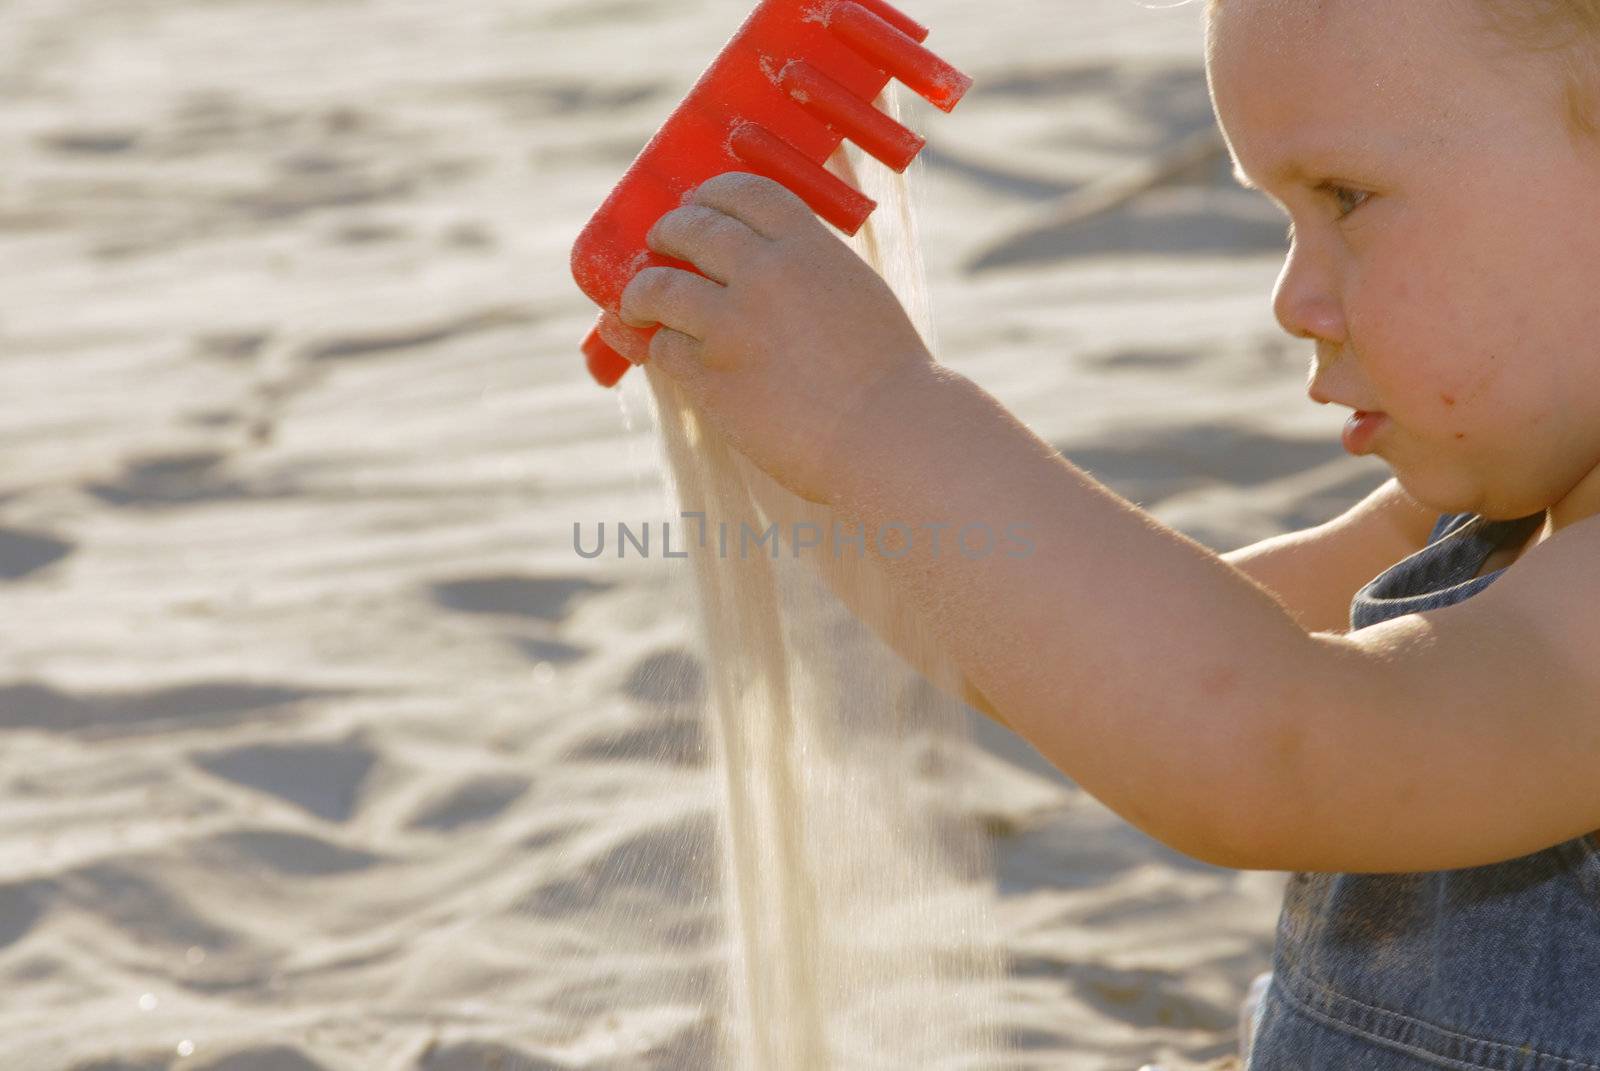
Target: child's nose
1304, 300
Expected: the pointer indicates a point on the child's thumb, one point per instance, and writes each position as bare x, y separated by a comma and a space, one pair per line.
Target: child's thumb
682, 357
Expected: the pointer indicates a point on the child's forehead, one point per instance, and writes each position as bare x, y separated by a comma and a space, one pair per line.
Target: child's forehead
1351, 34
1351, 72
1441, 41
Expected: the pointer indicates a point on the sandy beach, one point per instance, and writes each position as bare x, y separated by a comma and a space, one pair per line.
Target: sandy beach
316, 727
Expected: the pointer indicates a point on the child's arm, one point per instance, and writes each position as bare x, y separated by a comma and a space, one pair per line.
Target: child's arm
1135, 660
1159, 677
906, 639
1186, 698
863, 589
1313, 573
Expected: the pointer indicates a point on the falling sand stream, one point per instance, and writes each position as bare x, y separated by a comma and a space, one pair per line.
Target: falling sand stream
856, 892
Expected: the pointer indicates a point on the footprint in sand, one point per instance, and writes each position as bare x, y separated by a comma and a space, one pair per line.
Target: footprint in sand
472, 802
324, 779
30, 705
25, 553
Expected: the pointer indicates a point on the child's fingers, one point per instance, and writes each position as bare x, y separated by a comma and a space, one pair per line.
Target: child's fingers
672, 298
765, 206
673, 351
678, 355
614, 333
713, 241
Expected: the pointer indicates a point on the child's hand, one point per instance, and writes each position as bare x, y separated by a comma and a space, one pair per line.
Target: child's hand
786, 339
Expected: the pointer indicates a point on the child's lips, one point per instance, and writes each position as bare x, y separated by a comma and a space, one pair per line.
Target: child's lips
1360, 430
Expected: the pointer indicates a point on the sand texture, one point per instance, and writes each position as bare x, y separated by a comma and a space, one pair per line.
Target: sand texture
321, 743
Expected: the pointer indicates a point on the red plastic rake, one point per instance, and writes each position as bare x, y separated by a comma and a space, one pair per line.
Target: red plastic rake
796, 79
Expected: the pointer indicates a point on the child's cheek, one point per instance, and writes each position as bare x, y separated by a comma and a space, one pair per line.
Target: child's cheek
1460, 329
1475, 383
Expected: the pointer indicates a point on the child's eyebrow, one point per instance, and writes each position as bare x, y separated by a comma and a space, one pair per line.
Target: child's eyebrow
1285, 172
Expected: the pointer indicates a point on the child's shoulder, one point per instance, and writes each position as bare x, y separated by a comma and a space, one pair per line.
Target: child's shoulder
1534, 629
1430, 721
1556, 579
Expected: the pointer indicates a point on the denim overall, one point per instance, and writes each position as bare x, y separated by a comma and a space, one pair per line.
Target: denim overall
1494, 966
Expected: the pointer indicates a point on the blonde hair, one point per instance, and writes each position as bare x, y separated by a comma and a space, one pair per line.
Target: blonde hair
1566, 31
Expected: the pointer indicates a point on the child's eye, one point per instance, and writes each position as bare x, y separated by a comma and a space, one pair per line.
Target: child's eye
1340, 194
1347, 199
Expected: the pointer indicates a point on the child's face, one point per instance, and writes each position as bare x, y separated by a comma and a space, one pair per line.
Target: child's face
1461, 294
